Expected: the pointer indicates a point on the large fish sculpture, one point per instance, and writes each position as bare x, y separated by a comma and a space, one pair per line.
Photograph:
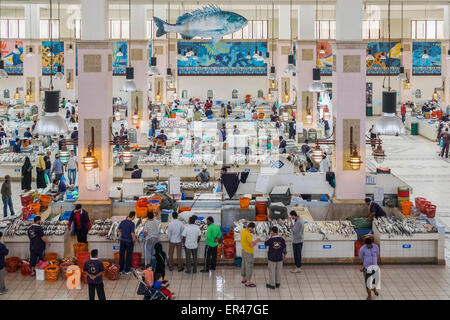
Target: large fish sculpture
210, 21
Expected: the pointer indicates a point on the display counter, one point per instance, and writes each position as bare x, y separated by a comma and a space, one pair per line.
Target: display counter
19, 246
427, 130
419, 248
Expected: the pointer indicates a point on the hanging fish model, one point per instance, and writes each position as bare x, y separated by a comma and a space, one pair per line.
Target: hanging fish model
210, 21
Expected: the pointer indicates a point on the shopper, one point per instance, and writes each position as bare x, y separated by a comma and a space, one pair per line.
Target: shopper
48, 166
213, 236
27, 134
40, 174
324, 165
369, 253
223, 134
445, 143
292, 129
82, 223
27, 170
403, 112
161, 136
127, 241
439, 130
6, 196
282, 145
326, 126
95, 269
38, 242
17, 146
72, 166
373, 136
137, 173
297, 225
191, 238
275, 256
154, 125
151, 233
174, 234
375, 211
203, 176
3, 253
247, 244
2, 134
58, 168
161, 260
122, 130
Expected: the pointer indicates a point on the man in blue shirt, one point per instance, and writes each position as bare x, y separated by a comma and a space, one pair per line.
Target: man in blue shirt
94, 269
59, 195
74, 135
127, 241
2, 134
375, 211
282, 146
27, 134
58, 168
16, 148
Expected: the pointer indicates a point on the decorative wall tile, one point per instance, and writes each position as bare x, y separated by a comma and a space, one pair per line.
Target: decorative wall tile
307, 54
137, 54
352, 63
92, 63
347, 124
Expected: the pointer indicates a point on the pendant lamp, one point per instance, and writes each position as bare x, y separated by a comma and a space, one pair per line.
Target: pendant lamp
316, 85
129, 85
153, 71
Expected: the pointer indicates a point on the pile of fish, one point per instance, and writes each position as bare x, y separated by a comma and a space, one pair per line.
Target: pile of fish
170, 123
57, 228
20, 227
262, 229
18, 157
395, 226
197, 185
100, 227
342, 227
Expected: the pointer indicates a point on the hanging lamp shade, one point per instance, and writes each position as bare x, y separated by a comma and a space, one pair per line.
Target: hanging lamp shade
30, 52
64, 155
89, 161
59, 75
316, 85
70, 50
169, 76
119, 53
378, 154
129, 85
117, 115
290, 68
369, 55
389, 123
355, 161
273, 73
126, 155
425, 55
402, 76
317, 154
322, 50
153, 71
52, 123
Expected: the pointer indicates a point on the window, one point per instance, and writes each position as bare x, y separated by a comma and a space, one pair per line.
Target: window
371, 29
118, 29
46, 26
77, 29
255, 29
427, 29
326, 29
12, 28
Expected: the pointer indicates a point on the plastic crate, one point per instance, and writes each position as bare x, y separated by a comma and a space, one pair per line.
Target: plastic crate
361, 232
281, 194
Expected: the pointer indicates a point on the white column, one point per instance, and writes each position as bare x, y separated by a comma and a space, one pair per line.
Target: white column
95, 19
284, 22
138, 22
306, 19
349, 14
446, 22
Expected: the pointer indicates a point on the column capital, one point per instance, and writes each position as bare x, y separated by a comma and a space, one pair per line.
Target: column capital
306, 42
350, 45
93, 44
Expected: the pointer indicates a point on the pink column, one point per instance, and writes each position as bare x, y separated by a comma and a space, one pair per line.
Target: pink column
32, 67
349, 89
95, 102
446, 77
305, 67
406, 94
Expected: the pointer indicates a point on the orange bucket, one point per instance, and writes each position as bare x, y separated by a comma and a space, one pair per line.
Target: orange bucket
141, 202
182, 209
79, 247
45, 200
106, 264
173, 115
427, 115
141, 212
50, 256
261, 115
244, 202
35, 207
228, 242
261, 217
434, 114
261, 207
439, 114
51, 273
156, 198
154, 207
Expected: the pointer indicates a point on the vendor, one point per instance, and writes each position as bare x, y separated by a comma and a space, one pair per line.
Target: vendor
2, 135
17, 146
274, 117
208, 113
59, 190
203, 176
162, 136
374, 209
236, 130
137, 173
27, 134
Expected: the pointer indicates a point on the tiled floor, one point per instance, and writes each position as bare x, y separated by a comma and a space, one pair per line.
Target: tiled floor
331, 282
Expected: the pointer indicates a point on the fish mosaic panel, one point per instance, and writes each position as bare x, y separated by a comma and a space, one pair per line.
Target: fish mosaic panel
13, 60
119, 61
379, 65
58, 57
207, 22
426, 58
223, 58
324, 59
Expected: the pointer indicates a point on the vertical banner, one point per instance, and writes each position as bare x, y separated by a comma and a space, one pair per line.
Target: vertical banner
426, 58
119, 58
347, 124
324, 58
12, 57
382, 56
58, 57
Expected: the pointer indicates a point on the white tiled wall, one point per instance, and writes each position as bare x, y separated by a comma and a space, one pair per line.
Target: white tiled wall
417, 249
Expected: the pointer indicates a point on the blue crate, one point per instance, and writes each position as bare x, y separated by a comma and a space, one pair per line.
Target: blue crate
225, 230
361, 232
65, 215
